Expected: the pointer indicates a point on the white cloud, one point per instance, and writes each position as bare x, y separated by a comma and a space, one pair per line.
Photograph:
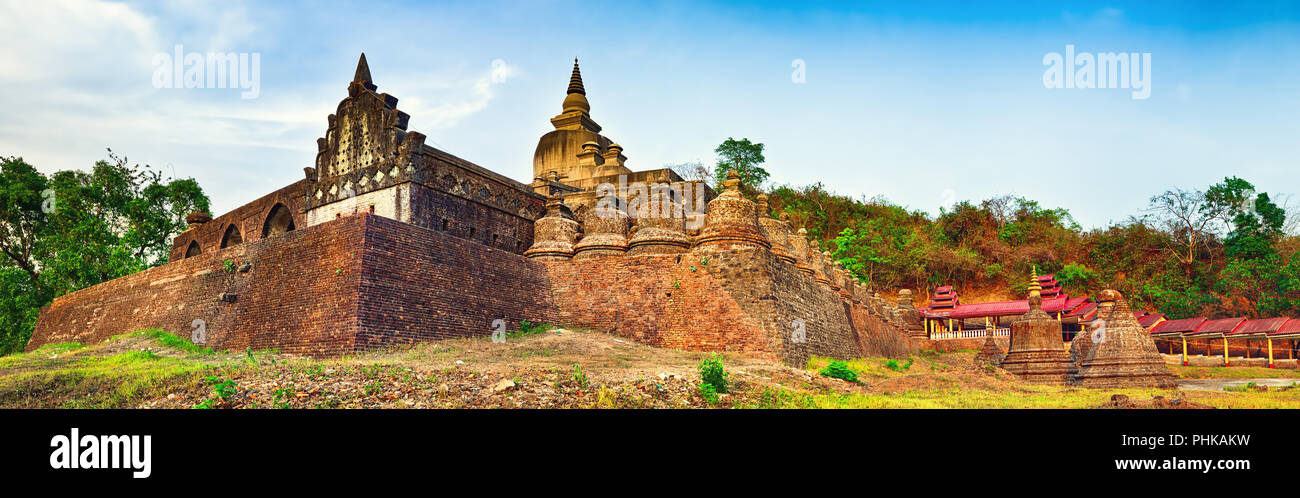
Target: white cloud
72, 41
452, 98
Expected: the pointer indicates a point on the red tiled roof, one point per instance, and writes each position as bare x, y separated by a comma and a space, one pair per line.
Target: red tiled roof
1183, 326
1002, 308
1082, 309
1261, 326
1221, 326
1069, 304
943, 290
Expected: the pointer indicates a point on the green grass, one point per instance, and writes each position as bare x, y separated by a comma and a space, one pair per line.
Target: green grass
39, 353
119, 381
879, 368
527, 328
168, 339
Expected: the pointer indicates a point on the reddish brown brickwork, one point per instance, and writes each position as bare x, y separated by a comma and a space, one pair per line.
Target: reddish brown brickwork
460, 217
335, 288
248, 221
738, 300
300, 295
420, 284
655, 299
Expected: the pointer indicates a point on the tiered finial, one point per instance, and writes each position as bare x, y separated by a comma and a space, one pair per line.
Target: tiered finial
575, 81
1035, 290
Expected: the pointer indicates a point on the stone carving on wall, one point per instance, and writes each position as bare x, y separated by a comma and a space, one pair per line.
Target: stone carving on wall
366, 146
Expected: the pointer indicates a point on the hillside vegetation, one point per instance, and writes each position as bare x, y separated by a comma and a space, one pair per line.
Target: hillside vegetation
1222, 251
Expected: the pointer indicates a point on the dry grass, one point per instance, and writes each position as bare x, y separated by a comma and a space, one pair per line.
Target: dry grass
144, 370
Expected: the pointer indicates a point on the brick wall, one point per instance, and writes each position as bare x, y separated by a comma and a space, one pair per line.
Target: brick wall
248, 219
421, 284
657, 300
363, 281
472, 220
742, 300
339, 287
299, 295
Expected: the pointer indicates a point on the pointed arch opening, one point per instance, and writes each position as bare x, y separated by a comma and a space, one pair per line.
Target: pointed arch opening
232, 237
278, 221
193, 249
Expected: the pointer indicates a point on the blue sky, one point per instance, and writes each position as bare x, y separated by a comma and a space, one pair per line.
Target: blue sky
923, 104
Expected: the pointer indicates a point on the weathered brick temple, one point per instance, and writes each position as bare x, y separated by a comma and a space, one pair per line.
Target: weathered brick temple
389, 241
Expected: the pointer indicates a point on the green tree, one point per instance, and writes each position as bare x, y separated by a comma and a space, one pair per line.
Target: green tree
1076, 277
744, 157
1255, 231
74, 229
1225, 200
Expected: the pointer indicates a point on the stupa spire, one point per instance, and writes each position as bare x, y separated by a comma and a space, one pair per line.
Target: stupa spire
575, 80
1035, 290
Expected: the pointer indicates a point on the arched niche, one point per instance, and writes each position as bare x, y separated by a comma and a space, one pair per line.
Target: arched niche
193, 249
278, 221
232, 237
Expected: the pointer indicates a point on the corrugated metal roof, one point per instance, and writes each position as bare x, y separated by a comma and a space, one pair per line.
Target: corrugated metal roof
1181, 326
1220, 326
1289, 328
1261, 326
1149, 319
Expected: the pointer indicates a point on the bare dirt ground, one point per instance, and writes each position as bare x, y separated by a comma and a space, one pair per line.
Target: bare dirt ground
556, 368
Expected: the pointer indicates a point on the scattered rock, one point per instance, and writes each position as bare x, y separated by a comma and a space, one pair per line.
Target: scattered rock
504, 385
1121, 401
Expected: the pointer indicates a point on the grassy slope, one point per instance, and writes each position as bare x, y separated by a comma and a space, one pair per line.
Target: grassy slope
568, 369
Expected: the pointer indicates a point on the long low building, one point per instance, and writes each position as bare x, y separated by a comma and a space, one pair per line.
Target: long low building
1254, 340
1223, 341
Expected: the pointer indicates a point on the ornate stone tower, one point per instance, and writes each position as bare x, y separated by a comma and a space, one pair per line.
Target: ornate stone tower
368, 162
365, 150
576, 150
1037, 353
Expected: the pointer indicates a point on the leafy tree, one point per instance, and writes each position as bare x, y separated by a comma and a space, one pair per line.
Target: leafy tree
1223, 201
744, 157
1076, 277
74, 229
1255, 231
874, 251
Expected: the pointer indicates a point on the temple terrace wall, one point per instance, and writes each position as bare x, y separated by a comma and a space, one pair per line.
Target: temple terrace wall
341, 287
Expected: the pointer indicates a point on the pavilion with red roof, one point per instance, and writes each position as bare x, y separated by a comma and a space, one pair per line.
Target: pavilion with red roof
946, 317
